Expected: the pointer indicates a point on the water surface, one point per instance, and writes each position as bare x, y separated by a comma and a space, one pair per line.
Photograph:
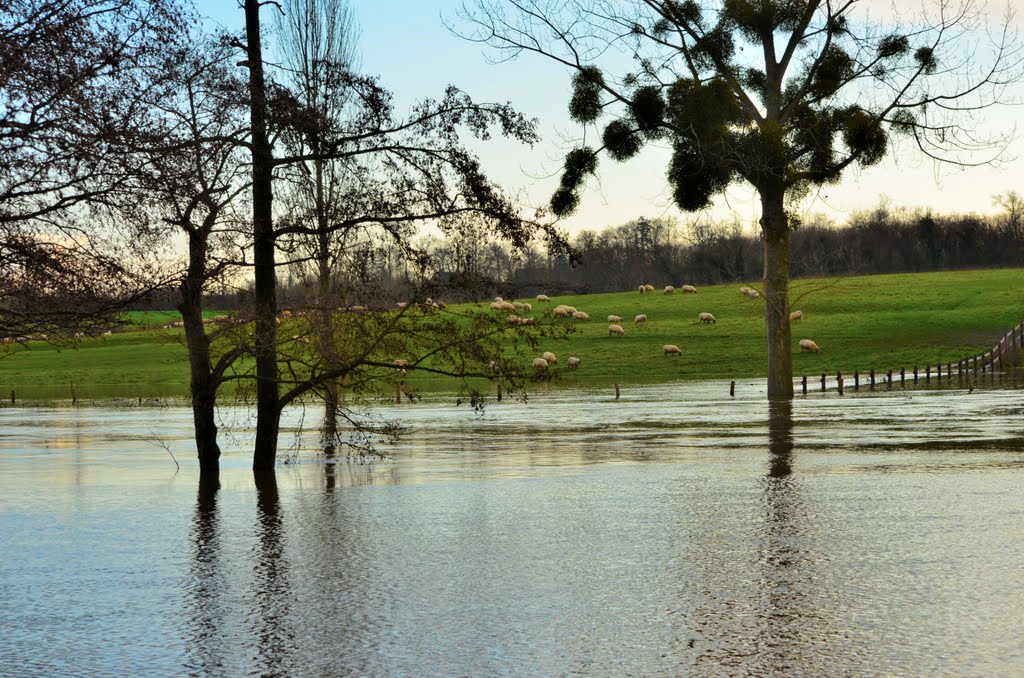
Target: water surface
669, 533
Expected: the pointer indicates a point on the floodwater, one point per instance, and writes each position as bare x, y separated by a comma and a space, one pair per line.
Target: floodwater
670, 533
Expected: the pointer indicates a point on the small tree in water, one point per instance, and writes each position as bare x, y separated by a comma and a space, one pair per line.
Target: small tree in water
783, 95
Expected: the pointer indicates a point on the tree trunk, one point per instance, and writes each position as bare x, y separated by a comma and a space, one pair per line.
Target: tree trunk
775, 229
328, 353
203, 390
268, 410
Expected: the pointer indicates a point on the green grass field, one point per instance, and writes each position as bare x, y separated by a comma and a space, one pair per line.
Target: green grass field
880, 322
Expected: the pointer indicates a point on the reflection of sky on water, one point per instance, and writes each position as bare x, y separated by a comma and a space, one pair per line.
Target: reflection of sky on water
665, 534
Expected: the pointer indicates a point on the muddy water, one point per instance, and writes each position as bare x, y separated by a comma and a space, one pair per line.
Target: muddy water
669, 533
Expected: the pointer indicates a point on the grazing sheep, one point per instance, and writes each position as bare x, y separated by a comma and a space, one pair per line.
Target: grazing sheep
615, 319
496, 305
640, 319
560, 312
498, 299
574, 362
528, 308
441, 305
357, 309
808, 345
669, 289
550, 357
543, 297
580, 315
670, 349
528, 321
706, 318
402, 305
752, 293
570, 309
513, 320
107, 334
616, 329
650, 288
688, 289
745, 290
518, 306
796, 315
540, 363
643, 289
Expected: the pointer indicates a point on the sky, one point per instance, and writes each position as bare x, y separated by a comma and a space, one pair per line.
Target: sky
407, 44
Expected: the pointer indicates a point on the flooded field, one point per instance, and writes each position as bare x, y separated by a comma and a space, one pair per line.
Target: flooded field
670, 533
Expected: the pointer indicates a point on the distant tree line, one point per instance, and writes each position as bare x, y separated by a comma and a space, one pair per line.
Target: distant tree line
663, 252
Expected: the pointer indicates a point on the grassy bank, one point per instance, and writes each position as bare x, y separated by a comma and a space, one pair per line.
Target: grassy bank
880, 322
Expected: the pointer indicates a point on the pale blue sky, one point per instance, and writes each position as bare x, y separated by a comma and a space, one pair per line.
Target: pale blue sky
406, 43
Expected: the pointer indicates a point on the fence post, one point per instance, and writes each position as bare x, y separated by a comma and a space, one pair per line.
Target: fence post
823, 381
616, 391
805, 384
839, 382
732, 388
872, 379
915, 374
888, 379
927, 374
856, 380
499, 392
970, 382
903, 376
13, 400
398, 393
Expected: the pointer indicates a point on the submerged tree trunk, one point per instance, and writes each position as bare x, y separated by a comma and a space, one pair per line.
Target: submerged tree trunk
325, 299
268, 410
775, 229
202, 387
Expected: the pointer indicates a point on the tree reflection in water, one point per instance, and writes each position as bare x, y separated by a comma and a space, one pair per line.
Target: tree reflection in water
270, 586
204, 642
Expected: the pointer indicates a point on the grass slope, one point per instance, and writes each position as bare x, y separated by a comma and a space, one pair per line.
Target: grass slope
881, 322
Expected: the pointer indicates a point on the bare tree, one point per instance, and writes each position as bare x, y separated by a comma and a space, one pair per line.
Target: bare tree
783, 95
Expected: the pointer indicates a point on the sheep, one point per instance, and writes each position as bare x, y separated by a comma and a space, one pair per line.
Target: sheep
752, 293
528, 321
688, 289
574, 362
518, 306
513, 320
179, 323
560, 312
505, 306
670, 349
543, 297
540, 364
796, 315
495, 305
706, 318
498, 300
493, 365
616, 329
669, 289
107, 334
650, 288
570, 309
580, 315
550, 357
402, 305
615, 319
528, 308
745, 290
640, 319
643, 289
808, 345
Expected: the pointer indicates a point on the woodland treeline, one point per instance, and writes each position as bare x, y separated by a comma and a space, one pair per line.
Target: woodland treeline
665, 252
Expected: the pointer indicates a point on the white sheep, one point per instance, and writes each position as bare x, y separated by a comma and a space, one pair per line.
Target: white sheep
496, 305
808, 345
493, 365
108, 333
796, 315
518, 306
528, 308
540, 363
643, 289
650, 288
560, 312
616, 329
543, 297
574, 362
580, 315
670, 349
570, 309
402, 305
550, 357
688, 289
669, 289
498, 299
528, 321
745, 290
513, 319
706, 318
752, 293
615, 319
640, 319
